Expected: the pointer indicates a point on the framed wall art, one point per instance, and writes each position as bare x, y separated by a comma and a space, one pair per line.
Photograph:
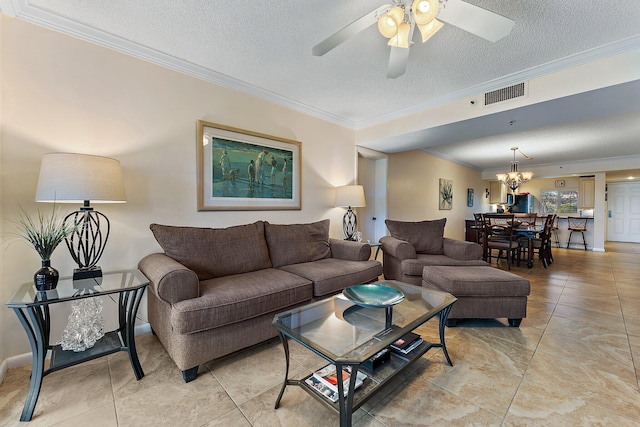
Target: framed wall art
243, 170
470, 197
445, 194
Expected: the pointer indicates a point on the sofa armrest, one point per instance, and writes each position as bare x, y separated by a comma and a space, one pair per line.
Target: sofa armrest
461, 250
349, 250
397, 248
169, 280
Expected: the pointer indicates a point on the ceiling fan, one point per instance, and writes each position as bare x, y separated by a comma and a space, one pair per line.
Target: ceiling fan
398, 21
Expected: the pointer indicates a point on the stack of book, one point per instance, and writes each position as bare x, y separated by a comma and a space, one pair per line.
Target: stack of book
407, 343
325, 381
404, 345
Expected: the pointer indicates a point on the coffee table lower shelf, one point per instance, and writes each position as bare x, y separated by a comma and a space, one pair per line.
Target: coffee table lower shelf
376, 379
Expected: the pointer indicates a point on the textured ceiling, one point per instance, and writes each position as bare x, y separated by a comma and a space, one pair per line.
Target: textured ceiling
264, 47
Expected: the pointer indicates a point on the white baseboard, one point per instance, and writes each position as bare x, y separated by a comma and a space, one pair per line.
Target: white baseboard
145, 328
25, 359
14, 362
3, 370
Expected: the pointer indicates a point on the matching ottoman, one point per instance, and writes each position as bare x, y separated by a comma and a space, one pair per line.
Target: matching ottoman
483, 292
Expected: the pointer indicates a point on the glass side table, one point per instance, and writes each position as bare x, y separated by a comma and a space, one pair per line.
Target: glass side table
32, 308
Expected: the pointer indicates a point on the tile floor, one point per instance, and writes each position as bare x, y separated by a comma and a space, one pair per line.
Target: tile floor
574, 361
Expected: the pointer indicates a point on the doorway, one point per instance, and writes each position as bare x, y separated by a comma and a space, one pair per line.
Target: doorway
372, 175
623, 214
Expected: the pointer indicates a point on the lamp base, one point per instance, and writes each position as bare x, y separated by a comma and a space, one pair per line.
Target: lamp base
87, 272
349, 224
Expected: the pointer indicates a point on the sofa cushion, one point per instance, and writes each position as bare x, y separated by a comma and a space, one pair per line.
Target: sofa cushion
413, 267
296, 243
215, 252
230, 299
331, 275
425, 236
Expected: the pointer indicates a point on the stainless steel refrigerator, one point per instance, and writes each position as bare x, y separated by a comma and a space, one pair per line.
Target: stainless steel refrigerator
522, 203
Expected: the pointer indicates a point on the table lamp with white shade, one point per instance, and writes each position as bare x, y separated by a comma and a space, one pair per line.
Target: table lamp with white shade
82, 178
350, 196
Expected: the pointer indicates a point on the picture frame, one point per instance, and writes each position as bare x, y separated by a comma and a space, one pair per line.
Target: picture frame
470, 197
239, 169
445, 194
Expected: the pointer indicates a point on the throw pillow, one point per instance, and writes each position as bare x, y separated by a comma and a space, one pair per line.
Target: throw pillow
215, 252
297, 243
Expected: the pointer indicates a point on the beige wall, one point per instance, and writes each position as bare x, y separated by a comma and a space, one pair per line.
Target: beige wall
413, 190
62, 94
3, 343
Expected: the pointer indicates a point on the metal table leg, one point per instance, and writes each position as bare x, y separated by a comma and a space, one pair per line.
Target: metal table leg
128, 303
286, 381
37, 329
346, 403
443, 320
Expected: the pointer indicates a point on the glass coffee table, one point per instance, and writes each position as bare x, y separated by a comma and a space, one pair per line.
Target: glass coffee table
348, 334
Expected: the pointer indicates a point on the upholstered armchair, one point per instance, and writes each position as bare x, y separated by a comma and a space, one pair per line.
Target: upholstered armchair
411, 246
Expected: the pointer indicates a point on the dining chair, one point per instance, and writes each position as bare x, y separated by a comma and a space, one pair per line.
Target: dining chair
478, 226
541, 244
526, 218
498, 235
578, 224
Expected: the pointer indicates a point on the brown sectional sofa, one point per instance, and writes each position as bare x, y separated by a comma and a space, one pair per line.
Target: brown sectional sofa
411, 246
215, 291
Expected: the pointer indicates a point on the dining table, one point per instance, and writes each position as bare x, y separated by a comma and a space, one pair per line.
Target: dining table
530, 232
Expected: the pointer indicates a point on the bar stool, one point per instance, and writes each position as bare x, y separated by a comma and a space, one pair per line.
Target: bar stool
578, 224
554, 229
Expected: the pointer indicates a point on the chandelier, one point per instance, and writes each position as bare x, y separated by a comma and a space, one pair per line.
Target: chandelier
396, 25
514, 179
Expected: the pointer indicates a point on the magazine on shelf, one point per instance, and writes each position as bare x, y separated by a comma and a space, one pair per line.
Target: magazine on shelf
318, 386
329, 377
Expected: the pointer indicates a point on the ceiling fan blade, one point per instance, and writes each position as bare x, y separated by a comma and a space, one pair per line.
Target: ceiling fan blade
475, 20
349, 31
398, 59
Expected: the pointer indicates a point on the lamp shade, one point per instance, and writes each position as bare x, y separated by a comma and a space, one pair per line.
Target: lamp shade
424, 11
350, 196
401, 39
75, 178
430, 29
389, 22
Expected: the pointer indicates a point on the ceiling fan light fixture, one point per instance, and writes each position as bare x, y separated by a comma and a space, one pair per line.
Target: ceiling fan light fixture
424, 11
430, 29
402, 38
389, 23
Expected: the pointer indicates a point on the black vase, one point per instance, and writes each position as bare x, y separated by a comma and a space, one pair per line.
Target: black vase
46, 278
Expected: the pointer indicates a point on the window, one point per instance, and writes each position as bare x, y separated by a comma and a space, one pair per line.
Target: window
559, 201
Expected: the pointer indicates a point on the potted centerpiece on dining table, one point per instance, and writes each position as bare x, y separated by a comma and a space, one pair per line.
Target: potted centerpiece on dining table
44, 233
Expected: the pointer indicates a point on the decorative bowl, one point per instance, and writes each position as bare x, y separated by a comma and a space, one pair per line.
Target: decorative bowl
373, 295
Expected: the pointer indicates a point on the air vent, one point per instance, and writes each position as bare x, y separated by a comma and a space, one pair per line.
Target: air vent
504, 94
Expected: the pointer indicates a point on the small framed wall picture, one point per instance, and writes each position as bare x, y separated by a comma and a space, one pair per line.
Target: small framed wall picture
445, 194
470, 197
559, 183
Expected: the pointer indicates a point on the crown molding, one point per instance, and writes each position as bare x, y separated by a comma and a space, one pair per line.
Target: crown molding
571, 61
22, 10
